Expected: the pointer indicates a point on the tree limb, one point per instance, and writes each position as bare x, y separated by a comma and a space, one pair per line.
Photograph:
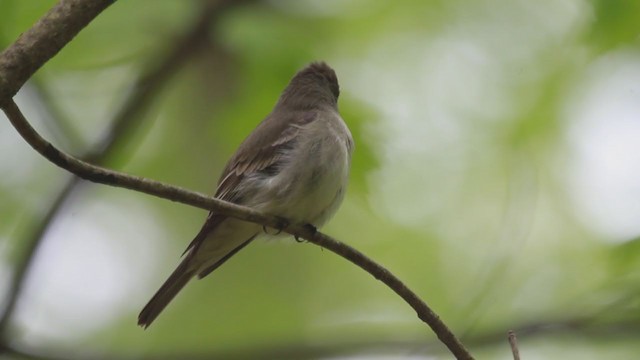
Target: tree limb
144, 89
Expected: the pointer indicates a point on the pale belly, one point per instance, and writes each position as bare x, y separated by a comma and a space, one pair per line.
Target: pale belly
312, 185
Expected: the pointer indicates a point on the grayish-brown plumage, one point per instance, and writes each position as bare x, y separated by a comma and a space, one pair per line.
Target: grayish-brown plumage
294, 164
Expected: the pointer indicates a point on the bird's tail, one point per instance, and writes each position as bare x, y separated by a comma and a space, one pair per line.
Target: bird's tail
178, 279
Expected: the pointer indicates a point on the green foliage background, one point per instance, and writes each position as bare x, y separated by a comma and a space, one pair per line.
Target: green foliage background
466, 117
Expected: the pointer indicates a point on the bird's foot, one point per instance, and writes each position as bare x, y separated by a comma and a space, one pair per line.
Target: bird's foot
312, 229
282, 224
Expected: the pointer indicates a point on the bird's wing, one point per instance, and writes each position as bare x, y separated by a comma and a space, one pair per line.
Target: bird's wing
261, 154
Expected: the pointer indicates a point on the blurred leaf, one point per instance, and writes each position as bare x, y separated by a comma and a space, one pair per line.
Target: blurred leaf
615, 23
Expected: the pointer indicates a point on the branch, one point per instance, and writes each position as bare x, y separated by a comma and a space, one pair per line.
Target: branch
144, 89
513, 342
48, 36
113, 178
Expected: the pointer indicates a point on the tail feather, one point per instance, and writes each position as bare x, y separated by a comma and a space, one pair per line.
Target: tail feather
222, 260
178, 279
206, 253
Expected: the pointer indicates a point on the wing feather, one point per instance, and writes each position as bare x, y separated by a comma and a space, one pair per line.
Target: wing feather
257, 153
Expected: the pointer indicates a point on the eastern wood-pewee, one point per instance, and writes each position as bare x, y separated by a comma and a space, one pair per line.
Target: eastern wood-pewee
295, 165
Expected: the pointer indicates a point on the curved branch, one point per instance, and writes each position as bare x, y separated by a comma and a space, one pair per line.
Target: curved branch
144, 89
52, 32
113, 178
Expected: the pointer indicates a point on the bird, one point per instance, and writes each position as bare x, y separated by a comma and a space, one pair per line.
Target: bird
294, 165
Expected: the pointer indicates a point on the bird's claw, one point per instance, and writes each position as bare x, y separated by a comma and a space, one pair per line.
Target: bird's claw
282, 224
264, 229
312, 229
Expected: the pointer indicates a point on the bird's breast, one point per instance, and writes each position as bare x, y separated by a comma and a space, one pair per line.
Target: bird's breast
312, 184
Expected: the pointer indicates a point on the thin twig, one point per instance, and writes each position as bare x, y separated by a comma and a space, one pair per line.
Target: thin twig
113, 178
513, 341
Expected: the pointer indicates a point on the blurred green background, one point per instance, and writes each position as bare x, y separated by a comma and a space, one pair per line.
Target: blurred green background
496, 172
